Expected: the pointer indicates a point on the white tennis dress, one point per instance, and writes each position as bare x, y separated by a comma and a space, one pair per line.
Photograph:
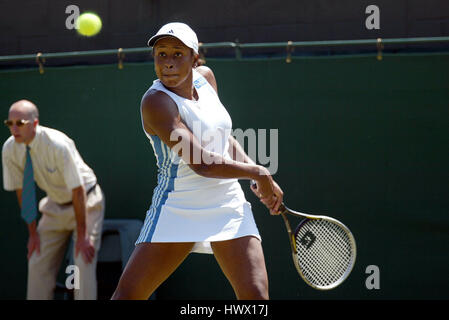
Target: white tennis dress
187, 207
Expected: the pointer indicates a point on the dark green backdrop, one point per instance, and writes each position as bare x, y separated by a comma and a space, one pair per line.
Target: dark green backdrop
362, 140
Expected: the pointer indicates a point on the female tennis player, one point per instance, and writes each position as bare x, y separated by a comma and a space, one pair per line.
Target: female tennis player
198, 204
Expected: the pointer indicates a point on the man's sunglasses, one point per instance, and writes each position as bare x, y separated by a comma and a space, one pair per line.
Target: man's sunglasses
19, 123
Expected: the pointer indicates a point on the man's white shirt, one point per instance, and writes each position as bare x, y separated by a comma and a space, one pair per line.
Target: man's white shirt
58, 167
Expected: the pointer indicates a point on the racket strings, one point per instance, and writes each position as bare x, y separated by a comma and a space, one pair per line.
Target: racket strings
333, 257
326, 265
324, 273
325, 252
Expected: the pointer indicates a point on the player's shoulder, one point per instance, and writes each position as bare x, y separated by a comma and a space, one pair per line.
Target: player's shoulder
156, 101
157, 109
205, 71
208, 74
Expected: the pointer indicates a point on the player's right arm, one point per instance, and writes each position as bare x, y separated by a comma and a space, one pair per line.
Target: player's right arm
161, 117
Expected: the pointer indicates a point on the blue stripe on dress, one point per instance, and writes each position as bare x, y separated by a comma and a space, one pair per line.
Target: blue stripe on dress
161, 160
166, 178
169, 188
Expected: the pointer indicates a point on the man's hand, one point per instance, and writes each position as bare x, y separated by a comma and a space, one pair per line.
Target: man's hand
86, 248
34, 243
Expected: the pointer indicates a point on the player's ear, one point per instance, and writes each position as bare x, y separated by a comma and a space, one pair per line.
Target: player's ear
196, 57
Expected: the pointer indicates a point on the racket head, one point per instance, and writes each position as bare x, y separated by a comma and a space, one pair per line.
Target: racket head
325, 251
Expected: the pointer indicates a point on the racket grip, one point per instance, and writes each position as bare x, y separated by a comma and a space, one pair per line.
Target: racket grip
282, 207
254, 184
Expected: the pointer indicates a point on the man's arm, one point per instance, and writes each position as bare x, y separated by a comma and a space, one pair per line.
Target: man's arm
83, 245
79, 205
33, 236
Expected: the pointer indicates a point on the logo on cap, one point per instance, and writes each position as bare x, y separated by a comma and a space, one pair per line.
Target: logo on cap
171, 31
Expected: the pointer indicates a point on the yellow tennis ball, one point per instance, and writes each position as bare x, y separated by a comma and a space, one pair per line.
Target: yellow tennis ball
88, 24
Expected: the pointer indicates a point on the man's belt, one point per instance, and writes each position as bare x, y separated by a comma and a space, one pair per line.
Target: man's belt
88, 191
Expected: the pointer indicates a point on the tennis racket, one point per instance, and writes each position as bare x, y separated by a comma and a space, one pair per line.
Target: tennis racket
323, 249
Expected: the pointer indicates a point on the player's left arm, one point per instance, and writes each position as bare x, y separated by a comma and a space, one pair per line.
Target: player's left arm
235, 150
237, 153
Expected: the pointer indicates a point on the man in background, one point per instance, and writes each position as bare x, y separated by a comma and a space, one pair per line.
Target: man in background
74, 202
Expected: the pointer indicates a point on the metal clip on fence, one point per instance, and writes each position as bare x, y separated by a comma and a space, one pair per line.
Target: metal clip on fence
121, 56
40, 61
289, 52
380, 47
238, 51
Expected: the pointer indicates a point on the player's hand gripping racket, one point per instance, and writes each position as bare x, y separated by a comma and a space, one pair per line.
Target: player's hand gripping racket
323, 249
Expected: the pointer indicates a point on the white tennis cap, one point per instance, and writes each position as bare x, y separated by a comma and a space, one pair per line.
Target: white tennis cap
178, 30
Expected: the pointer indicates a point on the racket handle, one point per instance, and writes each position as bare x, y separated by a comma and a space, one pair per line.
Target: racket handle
254, 184
282, 207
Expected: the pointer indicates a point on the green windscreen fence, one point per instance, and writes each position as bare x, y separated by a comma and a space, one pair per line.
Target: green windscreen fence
362, 140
